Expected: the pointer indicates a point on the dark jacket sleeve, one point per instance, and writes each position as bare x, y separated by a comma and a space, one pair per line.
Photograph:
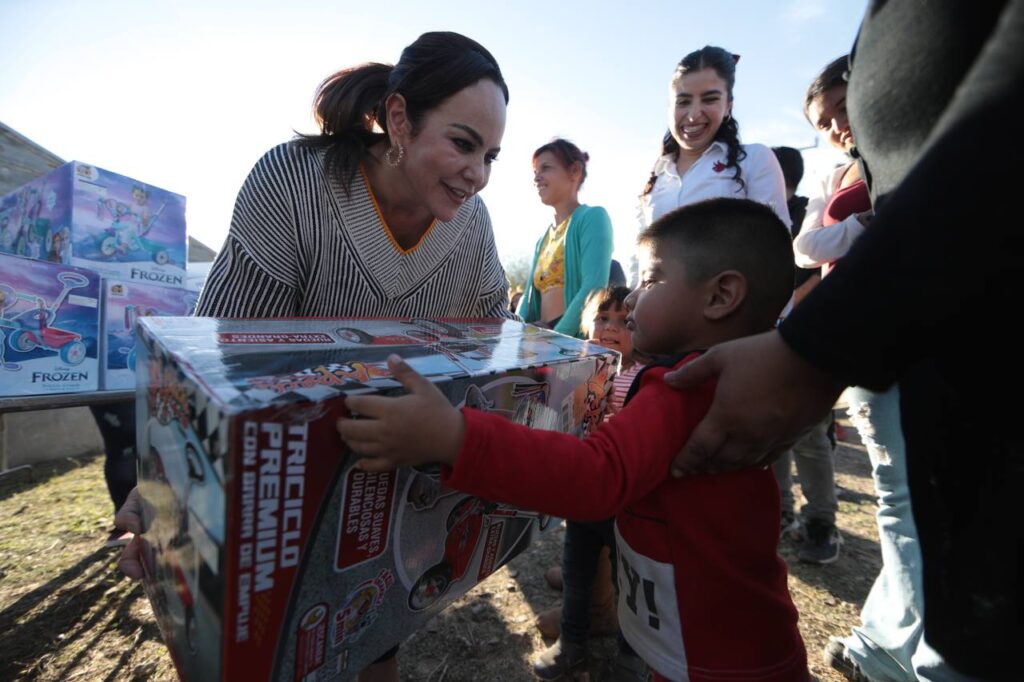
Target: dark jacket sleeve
938, 269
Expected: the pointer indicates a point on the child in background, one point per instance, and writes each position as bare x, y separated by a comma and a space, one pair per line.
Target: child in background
588, 582
702, 590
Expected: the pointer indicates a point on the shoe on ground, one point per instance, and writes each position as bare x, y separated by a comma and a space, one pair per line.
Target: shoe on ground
821, 542
838, 658
629, 668
558, 659
118, 538
789, 526
553, 577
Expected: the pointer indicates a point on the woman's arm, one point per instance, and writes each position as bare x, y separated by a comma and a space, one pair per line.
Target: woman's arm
595, 239
816, 244
256, 273
493, 300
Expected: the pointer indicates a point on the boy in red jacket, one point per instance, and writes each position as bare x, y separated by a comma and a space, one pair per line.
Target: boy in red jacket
703, 591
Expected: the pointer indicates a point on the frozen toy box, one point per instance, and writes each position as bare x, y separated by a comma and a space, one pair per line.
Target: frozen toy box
49, 327
82, 215
268, 555
123, 304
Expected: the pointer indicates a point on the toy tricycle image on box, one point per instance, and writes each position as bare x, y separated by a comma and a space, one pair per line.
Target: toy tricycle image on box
465, 526
270, 555
49, 327
33, 328
129, 224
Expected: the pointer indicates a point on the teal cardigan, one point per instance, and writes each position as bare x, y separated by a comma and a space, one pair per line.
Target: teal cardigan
588, 258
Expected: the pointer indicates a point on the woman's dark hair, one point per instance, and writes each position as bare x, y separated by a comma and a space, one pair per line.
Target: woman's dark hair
832, 75
567, 154
350, 103
724, 64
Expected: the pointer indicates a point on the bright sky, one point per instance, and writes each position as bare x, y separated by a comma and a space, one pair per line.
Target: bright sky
188, 95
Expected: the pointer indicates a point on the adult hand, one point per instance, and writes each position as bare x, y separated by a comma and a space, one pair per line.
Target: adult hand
129, 517
766, 396
417, 428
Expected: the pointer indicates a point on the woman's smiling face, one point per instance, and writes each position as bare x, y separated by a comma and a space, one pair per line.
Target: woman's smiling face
449, 158
700, 102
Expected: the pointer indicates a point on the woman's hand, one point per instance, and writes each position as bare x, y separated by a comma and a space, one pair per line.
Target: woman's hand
417, 428
766, 397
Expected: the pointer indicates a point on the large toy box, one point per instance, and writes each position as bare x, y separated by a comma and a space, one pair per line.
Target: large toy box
49, 327
82, 215
123, 304
268, 555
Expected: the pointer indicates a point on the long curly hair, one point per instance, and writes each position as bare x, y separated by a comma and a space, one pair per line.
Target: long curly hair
724, 64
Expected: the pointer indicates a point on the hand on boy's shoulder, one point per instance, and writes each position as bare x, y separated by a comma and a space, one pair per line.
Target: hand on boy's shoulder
765, 398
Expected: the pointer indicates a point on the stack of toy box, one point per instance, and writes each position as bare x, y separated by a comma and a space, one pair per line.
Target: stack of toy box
268, 555
127, 232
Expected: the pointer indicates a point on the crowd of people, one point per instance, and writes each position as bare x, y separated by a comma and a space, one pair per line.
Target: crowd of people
728, 359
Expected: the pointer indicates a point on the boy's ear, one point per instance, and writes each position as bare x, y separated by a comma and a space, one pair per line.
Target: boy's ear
726, 292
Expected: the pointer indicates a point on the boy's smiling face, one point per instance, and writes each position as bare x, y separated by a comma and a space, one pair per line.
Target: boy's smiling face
666, 311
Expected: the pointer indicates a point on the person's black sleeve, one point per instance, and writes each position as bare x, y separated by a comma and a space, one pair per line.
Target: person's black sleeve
939, 266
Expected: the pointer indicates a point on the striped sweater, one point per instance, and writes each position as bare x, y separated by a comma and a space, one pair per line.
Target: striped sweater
299, 247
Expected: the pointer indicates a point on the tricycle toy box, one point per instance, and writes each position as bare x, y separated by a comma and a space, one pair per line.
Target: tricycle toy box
123, 304
82, 215
49, 327
268, 555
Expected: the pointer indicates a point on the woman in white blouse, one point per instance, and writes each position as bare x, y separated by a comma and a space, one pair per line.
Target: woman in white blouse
702, 157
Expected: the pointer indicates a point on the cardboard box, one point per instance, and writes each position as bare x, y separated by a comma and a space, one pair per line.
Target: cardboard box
82, 215
123, 304
269, 557
49, 327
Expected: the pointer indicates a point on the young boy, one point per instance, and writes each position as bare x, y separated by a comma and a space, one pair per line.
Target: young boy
703, 592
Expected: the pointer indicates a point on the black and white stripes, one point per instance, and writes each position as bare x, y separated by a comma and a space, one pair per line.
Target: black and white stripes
299, 247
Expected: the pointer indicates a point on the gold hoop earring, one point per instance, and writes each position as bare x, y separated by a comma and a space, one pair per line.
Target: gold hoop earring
392, 159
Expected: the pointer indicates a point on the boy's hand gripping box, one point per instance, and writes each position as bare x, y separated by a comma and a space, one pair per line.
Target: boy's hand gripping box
82, 215
49, 327
268, 556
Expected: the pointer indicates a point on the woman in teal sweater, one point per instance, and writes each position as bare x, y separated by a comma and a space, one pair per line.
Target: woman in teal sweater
574, 255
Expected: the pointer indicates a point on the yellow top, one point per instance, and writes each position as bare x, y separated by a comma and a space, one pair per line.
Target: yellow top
550, 270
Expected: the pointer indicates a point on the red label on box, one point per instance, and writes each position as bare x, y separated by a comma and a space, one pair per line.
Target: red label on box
271, 338
365, 517
490, 556
311, 645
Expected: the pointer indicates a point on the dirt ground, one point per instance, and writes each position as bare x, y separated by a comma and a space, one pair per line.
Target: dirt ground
66, 614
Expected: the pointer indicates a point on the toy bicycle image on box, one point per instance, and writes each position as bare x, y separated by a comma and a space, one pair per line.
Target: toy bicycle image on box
49, 319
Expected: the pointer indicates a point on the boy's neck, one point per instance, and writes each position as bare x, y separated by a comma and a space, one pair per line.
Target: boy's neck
719, 332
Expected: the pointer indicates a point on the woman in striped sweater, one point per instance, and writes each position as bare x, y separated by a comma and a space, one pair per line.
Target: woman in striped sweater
377, 215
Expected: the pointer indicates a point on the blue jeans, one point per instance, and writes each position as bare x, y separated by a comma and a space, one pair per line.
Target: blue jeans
889, 643
816, 468
583, 544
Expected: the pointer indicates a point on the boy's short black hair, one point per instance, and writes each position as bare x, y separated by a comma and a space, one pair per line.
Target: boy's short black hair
792, 163
732, 234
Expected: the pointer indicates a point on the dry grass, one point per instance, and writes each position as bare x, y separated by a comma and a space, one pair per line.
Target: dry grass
66, 614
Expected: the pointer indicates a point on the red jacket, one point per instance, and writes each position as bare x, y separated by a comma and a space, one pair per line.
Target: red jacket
702, 590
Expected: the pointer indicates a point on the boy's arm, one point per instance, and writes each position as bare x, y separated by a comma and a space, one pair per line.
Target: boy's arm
546, 471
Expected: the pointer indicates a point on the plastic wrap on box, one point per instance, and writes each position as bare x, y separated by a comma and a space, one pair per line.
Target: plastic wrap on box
49, 327
82, 215
123, 304
268, 556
